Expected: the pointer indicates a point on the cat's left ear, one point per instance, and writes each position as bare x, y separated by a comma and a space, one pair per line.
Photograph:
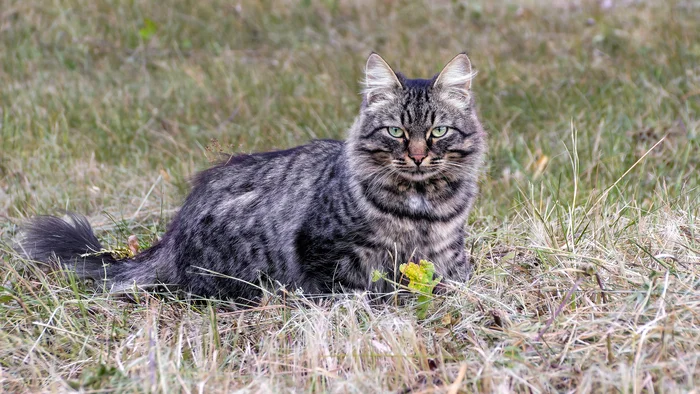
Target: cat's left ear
455, 79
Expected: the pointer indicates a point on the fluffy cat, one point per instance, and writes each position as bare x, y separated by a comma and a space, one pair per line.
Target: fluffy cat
320, 217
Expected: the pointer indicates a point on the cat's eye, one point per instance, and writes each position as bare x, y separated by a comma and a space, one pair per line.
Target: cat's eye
439, 131
395, 132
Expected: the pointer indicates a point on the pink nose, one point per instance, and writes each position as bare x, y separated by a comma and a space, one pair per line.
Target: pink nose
417, 158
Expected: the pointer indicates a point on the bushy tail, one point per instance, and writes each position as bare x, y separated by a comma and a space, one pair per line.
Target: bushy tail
69, 243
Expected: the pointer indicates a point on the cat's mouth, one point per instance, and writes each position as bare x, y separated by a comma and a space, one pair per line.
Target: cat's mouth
418, 173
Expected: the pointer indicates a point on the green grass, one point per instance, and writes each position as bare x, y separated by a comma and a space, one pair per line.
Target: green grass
585, 240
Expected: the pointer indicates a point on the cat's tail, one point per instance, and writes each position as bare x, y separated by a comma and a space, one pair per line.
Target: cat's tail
69, 243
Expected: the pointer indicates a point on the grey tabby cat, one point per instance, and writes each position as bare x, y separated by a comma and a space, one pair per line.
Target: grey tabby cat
320, 217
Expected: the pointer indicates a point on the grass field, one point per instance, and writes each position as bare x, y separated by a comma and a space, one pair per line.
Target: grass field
585, 239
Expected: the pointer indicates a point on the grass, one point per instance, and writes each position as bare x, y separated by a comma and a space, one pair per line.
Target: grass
585, 239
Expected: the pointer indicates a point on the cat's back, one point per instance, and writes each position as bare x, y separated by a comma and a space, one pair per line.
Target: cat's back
280, 165
272, 181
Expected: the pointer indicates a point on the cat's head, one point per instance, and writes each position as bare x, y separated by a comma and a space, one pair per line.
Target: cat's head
417, 129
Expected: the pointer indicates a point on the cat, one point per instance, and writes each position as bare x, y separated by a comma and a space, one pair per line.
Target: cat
319, 217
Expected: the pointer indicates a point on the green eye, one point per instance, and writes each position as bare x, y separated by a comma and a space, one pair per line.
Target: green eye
395, 132
439, 131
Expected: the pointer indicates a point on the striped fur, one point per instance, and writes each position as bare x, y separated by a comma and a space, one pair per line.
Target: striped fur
320, 217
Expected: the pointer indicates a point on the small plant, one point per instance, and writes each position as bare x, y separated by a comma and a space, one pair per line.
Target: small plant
148, 30
420, 281
127, 251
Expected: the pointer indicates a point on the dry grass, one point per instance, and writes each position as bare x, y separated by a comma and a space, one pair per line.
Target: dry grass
586, 240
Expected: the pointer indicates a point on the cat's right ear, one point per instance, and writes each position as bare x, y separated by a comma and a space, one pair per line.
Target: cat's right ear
381, 82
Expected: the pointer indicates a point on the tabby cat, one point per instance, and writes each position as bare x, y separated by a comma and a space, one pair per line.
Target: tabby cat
320, 217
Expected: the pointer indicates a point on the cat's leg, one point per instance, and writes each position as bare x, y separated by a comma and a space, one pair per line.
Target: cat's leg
454, 266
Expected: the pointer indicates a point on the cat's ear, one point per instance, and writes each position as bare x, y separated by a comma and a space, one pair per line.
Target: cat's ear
455, 79
381, 81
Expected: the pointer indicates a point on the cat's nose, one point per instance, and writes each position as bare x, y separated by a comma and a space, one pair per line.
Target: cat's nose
417, 158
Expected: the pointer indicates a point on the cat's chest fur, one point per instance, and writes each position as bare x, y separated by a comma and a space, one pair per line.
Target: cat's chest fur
395, 240
418, 202
409, 239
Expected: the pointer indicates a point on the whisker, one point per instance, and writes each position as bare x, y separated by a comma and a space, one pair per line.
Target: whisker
379, 176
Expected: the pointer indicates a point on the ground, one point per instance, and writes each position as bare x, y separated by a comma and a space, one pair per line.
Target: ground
585, 238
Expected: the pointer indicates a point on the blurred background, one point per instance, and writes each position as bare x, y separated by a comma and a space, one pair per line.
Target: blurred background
111, 106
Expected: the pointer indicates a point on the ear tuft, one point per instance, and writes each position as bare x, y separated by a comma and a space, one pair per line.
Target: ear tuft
380, 80
456, 78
